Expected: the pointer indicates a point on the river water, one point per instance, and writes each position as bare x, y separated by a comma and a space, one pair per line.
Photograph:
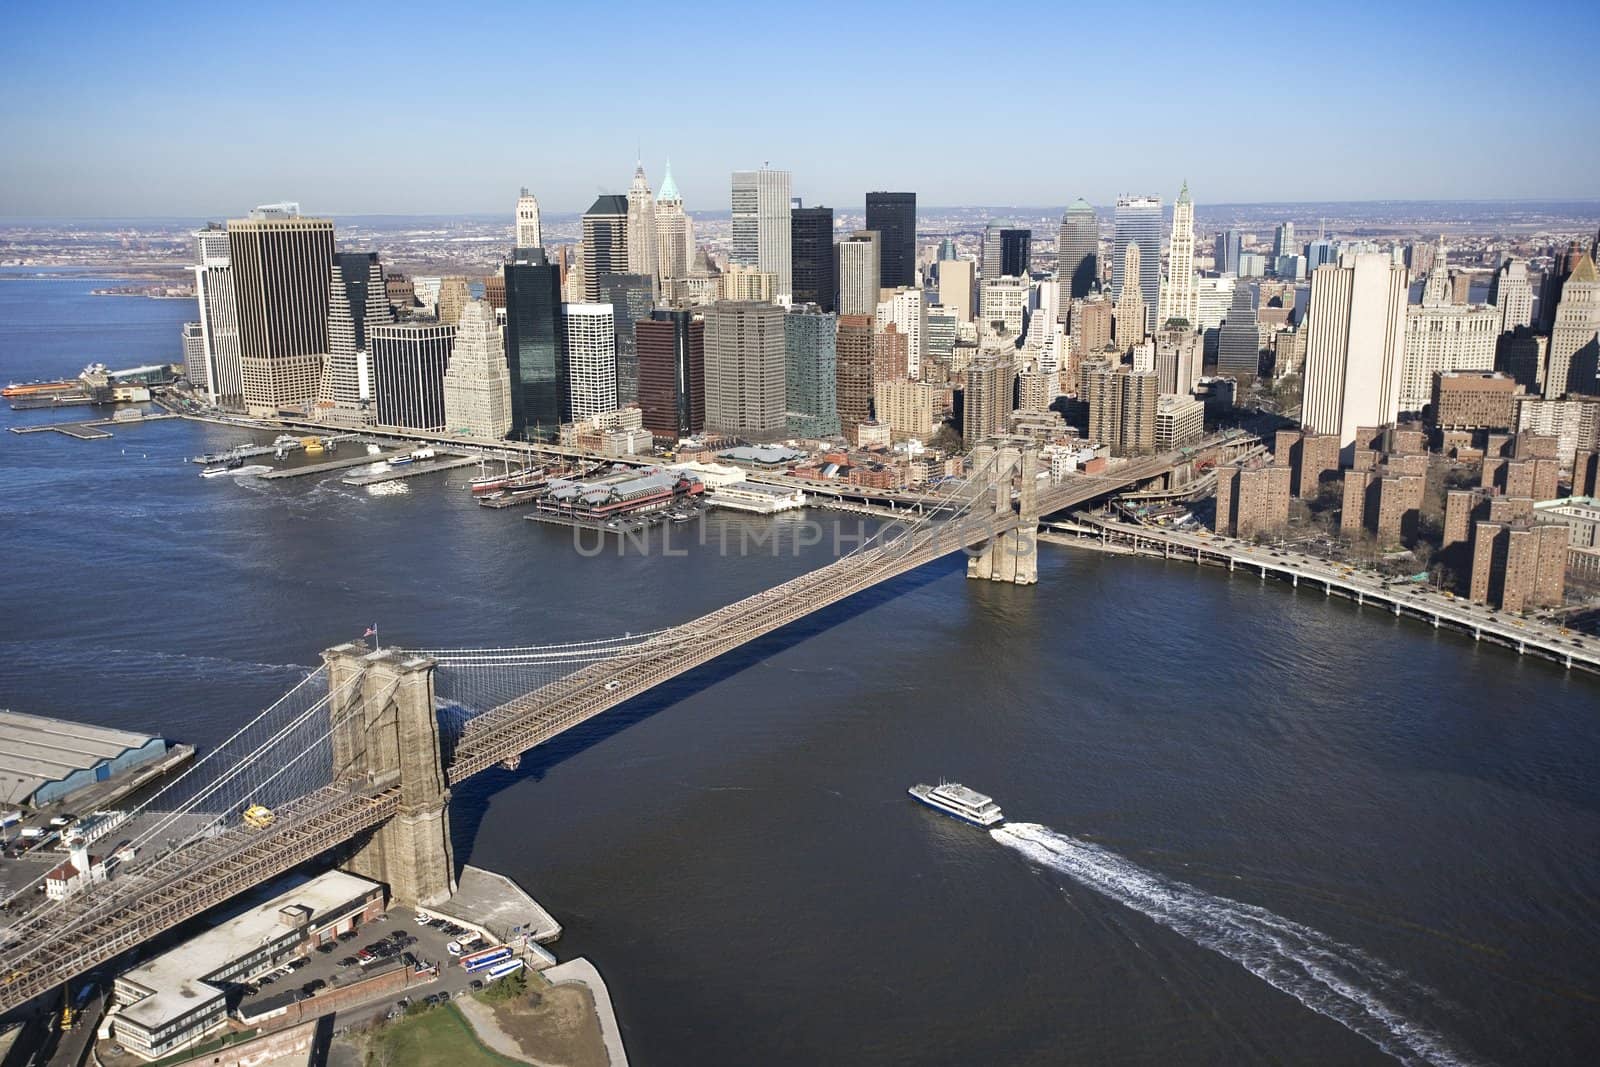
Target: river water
1248, 824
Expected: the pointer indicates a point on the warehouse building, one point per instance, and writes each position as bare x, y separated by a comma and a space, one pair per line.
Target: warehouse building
44, 760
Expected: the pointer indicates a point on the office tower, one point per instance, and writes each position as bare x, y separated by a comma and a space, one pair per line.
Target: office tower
745, 368
1091, 326
605, 243
1016, 252
811, 245
1122, 408
642, 255
453, 296
955, 287
494, 291
1473, 400
1138, 222
1575, 334
1524, 355
858, 273
1226, 251
1239, 339
986, 402
401, 290
947, 250
1554, 280
1132, 317
939, 339
760, 223
1320, 253
529, 233
1212, 299
674, 232
1180, 356
1442, 335
223, 380
194, 355
477, 383
536, 352
1355, 342
908, 311
1002, 303
1511, 294
739, 282
672, 394
1419, 258
1283, 241
358, 300
591, 337
1180, 420
1178, 294
1077, 252
281, 264
811, 373
853, 351
989, 250
631, 297
893, 216
408, 368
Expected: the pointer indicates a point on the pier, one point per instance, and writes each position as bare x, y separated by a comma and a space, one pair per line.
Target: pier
409, 470
327, 466
91, 429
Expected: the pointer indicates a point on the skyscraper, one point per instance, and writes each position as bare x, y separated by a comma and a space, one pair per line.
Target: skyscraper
1575, 334
986, 402
223, 380
358, 300
1283, 241
991, 255
281, 264
1227, 249
1355, 344
745, 369
853, 350
1133, 317
453, 296
894, 217
1016, 252
591, 340
811, 244
1178, 294
1239, 339
408, 368
760, 223
1122, 408
858, 273
674, 232
1442, 335
810, 370
1511, 293
536, 354
631, 297
642, 257
1077, 253
1138, 221
477, 383
908, 311
605, 242
955, 287
672, 396
529, 233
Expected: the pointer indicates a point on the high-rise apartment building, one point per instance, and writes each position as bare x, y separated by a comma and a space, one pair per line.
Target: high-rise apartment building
1239, 339
910, 409
358, 300
1442, 335
1077, 253
1252, 498
811, 245
1355, 345
1138, 222
408, 368
853, 350
858, 273
642, 256
220, 378
893, 216
1575, 334
281, 264
672, 395
811, 372
986, 402
477, 383
631, 297
955, 287
1178, 293
536, 351
908, 311
746, 369
674, 232
1122, 408
591, 341
1511, 295
760, 223
605, 243
529, 233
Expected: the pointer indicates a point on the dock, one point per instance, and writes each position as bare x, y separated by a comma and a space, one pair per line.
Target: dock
410, 470
89, 430
328, 466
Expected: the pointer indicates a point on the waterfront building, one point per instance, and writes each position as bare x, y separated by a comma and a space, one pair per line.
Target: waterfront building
408, 367
631, 297
908, 311
605, 243
535, 347
221, 377
477, 382
1519, 565
910, 409
674, 232
1442, 335
194, 356
642, 256
955, 287
591, 342
1511, 295
811, 372
1575, 334
854, 350
1138, 221
1309, 456
358, 300
1355, 343
529, 232
1132, 320
811, 245
1252, 498
986, 402
672, 396
1077, 253
1002, 306
1180, 420
858, 272
745, 367
1239, 339
281, 265
1122, 408
760, 224
1178, 294
893, 216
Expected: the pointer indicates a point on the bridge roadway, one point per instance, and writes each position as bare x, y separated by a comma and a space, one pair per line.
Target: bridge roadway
65, 939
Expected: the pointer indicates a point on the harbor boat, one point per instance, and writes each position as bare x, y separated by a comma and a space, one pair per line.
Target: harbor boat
217, 470
953, 798
679, 516
400, 460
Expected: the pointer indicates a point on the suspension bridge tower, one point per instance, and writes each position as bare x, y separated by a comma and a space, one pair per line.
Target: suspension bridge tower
1011, 556
387, 736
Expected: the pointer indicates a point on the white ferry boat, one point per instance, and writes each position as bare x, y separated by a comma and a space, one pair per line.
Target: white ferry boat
952, 798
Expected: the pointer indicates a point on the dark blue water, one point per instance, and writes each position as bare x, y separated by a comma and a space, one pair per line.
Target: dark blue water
1268, 827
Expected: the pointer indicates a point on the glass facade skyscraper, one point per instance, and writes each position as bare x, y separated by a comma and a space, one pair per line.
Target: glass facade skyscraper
536, 353
1078, 262
811, 245
894, 216
1139, 220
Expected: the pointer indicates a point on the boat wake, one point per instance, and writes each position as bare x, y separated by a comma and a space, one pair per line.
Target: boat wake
1327, 976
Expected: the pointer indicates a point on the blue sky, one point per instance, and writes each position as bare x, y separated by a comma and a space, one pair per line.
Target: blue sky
204, 109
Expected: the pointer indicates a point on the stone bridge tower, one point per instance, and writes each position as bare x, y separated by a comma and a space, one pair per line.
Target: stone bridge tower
1012, 556
388, 737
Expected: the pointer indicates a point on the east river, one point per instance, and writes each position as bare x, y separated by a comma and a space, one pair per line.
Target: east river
1248, 824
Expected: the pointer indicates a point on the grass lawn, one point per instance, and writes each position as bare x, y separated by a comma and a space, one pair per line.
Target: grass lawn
429, 1038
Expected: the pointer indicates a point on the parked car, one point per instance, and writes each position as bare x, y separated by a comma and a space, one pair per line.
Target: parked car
327, 947
313, 985
349, 961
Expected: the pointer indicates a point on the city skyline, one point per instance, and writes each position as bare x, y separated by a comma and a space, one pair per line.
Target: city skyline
108, 140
